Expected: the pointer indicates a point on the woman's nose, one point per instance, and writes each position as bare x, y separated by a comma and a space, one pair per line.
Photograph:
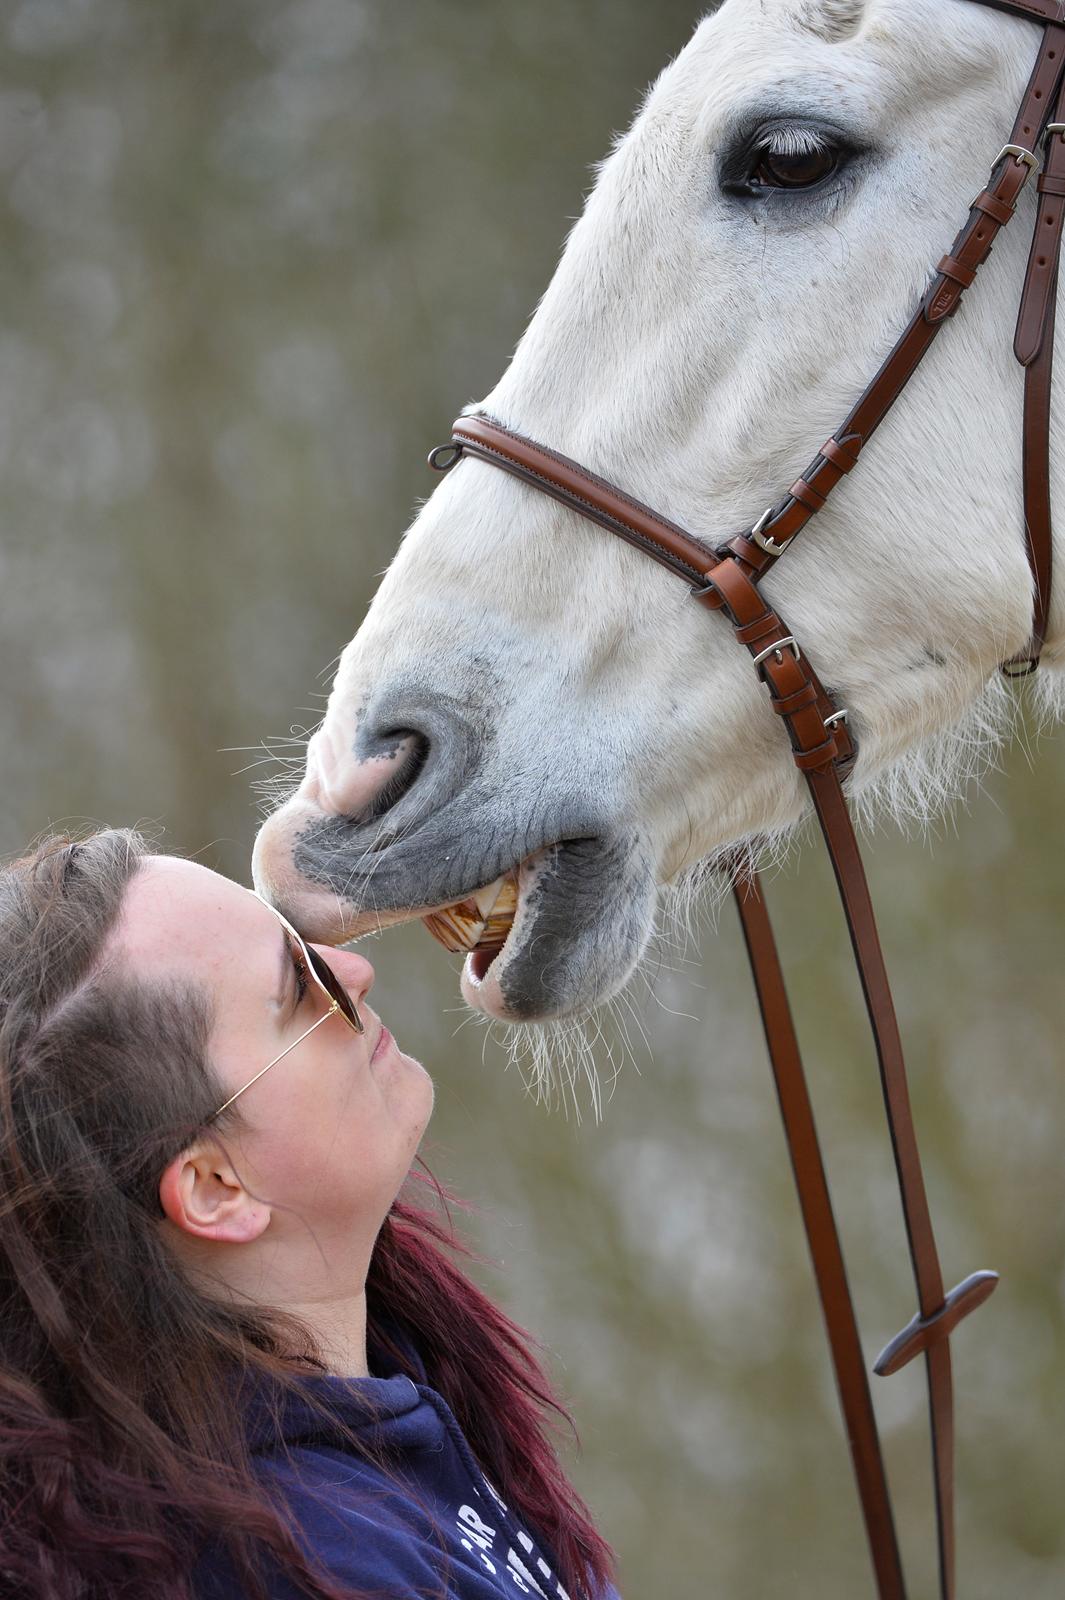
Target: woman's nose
353, 970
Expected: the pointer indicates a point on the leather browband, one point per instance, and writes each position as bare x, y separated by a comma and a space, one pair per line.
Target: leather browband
824, 749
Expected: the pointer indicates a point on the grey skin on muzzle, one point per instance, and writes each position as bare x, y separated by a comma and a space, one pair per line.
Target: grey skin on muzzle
463, 803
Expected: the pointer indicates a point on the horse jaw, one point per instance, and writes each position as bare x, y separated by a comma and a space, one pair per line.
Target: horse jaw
697, 351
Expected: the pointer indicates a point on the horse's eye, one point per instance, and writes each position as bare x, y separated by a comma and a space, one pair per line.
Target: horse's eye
799, 171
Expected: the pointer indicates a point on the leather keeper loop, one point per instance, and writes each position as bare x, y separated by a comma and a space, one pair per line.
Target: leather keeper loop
821, 755
843, 456
1048, 184
951, 267
743, 604
762, 627
711, 598
990, 204
807, 495
741, 546
790, 703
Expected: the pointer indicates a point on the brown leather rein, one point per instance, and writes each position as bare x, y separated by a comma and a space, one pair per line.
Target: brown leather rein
824, 748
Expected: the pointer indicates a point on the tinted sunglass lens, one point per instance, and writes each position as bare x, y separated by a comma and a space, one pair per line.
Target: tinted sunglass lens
336, 989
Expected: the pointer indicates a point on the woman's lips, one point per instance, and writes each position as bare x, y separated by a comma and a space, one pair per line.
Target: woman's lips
384, 1039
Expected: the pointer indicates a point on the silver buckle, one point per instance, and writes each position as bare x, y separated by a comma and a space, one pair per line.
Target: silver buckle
777, 650
1052, 127
1020, 154
756, 536
837, 716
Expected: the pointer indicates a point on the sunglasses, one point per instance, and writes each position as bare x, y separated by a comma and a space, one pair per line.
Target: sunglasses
319, 970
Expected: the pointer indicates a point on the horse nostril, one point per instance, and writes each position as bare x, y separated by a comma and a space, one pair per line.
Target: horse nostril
411, 752
402, 778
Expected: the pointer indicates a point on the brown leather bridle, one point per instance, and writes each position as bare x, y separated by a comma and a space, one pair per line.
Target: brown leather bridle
825, 749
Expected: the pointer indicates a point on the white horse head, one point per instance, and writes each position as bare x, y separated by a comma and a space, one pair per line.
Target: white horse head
527, 690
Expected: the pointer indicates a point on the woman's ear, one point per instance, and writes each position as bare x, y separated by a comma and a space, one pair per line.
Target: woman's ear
201, 1194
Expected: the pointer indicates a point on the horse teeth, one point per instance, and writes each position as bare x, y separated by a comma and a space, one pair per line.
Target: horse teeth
481, 921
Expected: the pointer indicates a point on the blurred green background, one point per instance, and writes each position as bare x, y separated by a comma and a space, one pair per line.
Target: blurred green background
254, 256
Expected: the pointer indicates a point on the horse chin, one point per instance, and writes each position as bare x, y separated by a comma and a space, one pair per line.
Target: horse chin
585, 912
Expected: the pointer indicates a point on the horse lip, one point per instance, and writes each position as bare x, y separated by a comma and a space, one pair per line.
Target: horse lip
584, 914
325, 863
470, 975
316, 913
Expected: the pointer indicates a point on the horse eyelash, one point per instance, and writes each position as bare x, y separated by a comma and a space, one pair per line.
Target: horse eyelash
794, 141
776, 137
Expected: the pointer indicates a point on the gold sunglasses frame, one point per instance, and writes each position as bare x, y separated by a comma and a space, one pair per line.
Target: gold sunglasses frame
353, 1020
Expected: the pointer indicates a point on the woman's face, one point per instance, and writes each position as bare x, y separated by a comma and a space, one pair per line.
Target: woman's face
332, 1129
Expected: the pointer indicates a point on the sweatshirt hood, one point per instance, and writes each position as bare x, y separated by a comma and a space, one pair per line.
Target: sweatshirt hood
402, 1511
386, 1413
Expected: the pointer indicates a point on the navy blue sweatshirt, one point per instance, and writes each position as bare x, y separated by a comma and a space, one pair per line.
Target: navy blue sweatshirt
440, 1530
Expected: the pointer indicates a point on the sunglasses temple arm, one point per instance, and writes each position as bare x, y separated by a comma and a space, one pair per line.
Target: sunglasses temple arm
333, 1007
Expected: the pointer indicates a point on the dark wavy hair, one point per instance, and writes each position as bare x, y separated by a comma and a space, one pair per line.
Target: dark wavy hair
121, 1458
